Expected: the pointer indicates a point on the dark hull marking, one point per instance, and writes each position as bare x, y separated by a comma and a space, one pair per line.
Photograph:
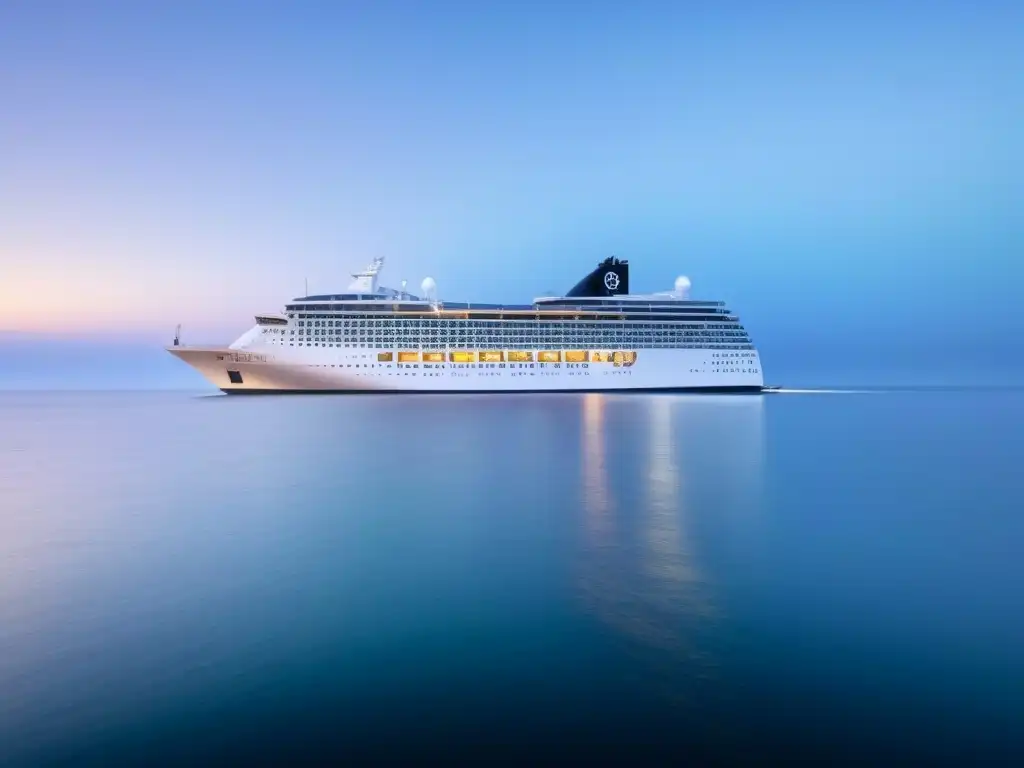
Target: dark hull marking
740, 390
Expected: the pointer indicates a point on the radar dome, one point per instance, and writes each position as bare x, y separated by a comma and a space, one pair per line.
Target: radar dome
428, 286
683, 285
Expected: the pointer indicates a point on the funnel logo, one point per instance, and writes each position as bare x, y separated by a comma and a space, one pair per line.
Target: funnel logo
611, 281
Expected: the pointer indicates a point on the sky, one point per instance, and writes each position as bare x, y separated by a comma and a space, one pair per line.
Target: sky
848, 173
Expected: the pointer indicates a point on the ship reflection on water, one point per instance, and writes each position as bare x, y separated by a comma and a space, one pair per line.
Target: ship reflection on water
319, 579
697, 464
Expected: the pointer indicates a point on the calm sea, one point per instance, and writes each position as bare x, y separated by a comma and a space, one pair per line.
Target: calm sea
186, 578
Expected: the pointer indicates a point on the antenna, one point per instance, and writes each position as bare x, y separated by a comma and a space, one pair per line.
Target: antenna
403, 288
307, 287
177, 335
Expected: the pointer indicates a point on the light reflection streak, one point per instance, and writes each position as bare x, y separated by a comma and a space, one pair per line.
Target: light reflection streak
640, 572
597, 496
673, 586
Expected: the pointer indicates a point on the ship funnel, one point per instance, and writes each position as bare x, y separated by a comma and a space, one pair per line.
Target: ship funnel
610, 278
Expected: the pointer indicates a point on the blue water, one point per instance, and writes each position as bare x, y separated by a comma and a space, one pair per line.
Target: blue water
835, 576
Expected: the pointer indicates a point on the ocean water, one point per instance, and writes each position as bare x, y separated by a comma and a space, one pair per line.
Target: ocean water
730, 580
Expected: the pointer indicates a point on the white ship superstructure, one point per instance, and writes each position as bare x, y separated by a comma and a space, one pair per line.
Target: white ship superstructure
597, 337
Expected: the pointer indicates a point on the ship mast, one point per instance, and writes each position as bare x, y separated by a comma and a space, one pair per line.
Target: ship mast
366, 280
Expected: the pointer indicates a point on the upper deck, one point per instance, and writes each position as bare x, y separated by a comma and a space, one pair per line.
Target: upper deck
601, 295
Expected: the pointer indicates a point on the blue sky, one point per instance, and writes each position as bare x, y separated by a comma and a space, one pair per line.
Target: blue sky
196, 162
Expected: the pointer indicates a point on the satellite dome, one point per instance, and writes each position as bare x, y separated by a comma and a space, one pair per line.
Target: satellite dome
683, 285
428, 286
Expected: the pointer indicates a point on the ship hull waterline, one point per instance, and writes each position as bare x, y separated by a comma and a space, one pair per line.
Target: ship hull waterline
235, 371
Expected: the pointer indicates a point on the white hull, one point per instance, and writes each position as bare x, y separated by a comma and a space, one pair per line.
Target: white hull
266, 368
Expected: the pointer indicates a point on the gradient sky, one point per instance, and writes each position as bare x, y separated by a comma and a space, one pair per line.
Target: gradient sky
851, 172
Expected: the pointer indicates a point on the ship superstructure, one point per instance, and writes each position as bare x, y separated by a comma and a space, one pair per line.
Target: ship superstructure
597, 337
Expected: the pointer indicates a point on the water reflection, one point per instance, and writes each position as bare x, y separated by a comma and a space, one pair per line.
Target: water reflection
597, 497
669, 570
318, 574
685, 471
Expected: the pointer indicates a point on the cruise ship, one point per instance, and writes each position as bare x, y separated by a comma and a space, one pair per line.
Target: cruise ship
597, 337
